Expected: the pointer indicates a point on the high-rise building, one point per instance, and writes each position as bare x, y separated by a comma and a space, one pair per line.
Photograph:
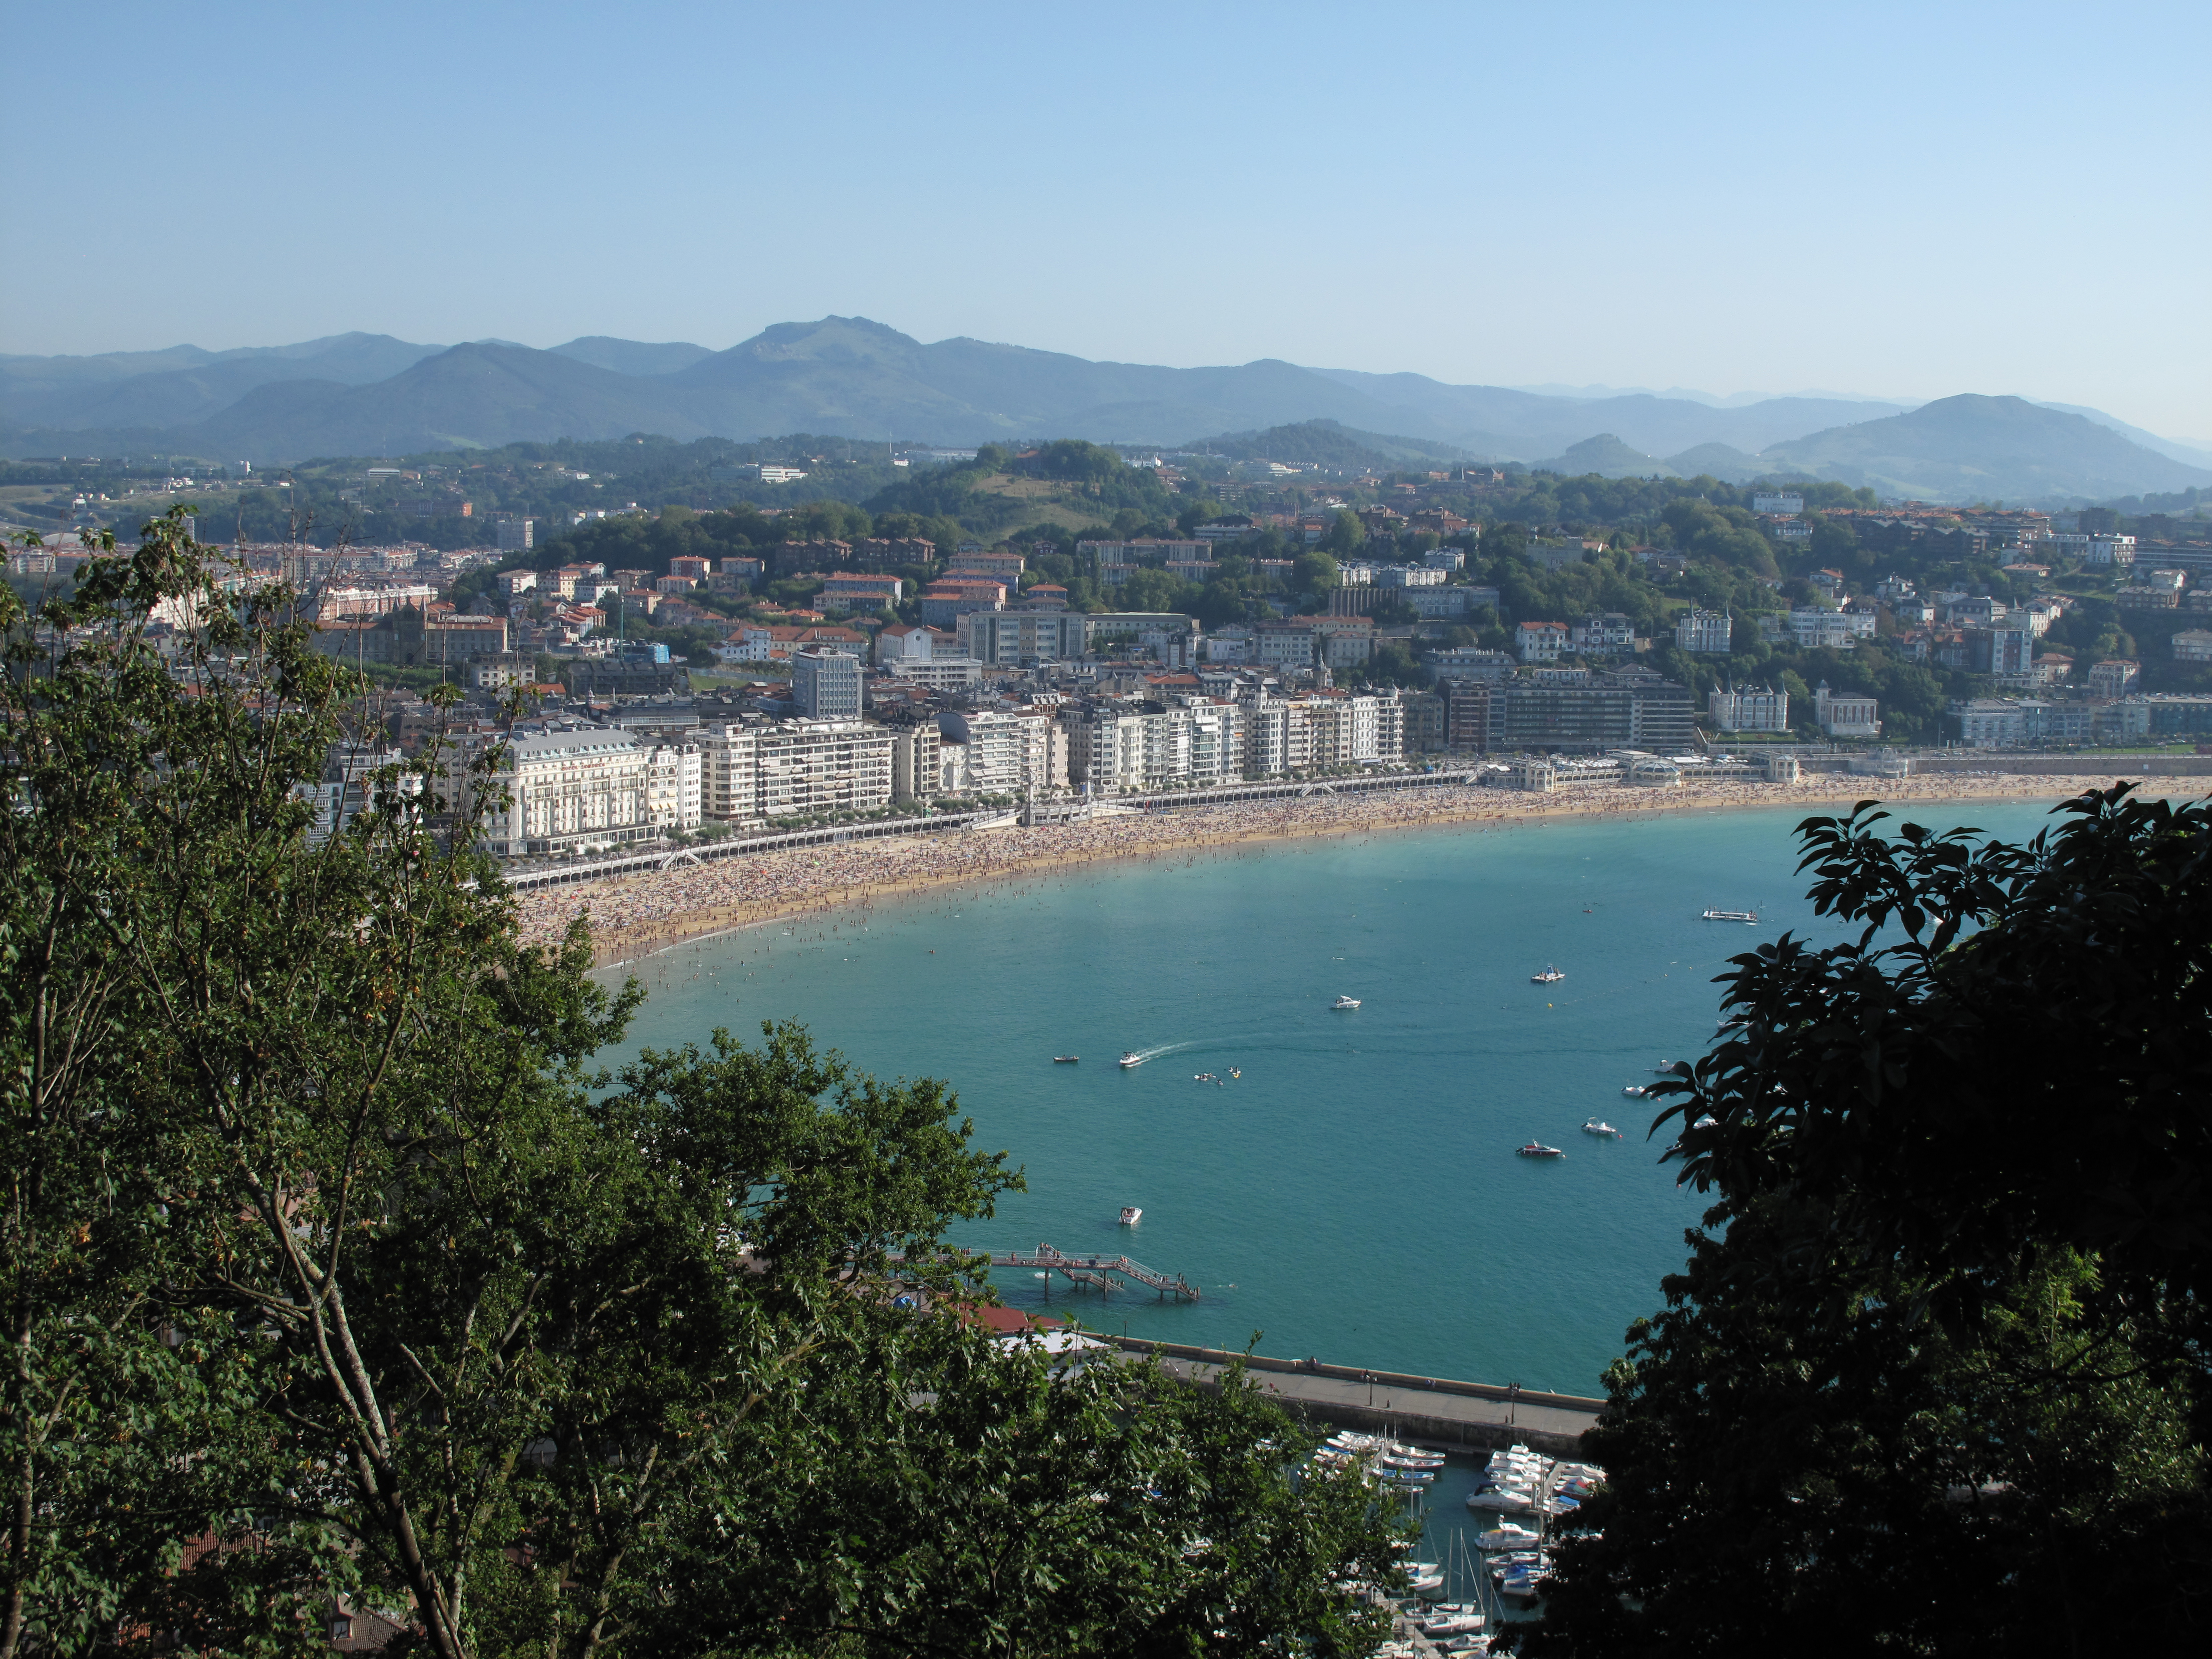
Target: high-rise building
798, 766
826, 685
517, 535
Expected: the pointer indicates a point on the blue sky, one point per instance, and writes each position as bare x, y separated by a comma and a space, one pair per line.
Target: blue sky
1907, 200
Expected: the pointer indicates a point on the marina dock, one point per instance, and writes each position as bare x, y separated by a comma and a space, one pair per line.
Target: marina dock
1437, 1411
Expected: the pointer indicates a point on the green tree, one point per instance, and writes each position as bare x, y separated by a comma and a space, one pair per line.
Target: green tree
1935, 1376
1316, 573
327, 1246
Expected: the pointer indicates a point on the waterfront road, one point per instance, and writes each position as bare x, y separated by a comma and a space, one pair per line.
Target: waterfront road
1438, 1410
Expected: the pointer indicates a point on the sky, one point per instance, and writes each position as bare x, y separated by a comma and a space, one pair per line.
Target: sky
1901, 201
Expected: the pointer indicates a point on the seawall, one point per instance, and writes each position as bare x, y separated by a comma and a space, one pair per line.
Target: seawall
1440, 1411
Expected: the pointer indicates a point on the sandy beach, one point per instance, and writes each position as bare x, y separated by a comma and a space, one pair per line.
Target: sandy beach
635, 916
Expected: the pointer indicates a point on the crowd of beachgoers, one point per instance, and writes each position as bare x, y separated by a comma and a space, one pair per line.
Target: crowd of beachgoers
634, 916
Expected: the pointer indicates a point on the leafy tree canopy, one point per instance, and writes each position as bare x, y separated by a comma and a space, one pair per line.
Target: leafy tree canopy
335, 1264
1934, 1376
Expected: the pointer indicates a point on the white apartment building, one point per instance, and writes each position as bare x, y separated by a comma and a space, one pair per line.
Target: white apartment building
1778, 502
1019, 636
796, 767
1540, 641
1811, 626
916, 758
1006, 754
1409, 575
569, 788
1602, 631
826, 684
1749, 711
675, 785
2115, 676
1704, 631
939, 673
1845, 715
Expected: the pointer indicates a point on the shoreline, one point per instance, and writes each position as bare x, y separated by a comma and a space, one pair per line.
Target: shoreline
637, 916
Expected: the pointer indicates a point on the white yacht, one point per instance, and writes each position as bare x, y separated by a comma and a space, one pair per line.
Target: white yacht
1598, 1127
1346, 1002
1131, 1215
1551, 976
1131, 1059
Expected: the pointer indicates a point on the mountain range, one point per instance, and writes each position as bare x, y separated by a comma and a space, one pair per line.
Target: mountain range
366, 394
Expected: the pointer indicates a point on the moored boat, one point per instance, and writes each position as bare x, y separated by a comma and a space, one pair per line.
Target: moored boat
1065, 1060
1600, 1129
1346, 1002
1507, 1536
1551, 976
1538, 1148
1131, 1215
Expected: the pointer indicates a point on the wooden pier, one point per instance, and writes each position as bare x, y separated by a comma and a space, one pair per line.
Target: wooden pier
1099, 1273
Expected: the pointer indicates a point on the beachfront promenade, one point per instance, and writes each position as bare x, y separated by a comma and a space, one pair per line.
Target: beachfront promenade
1437, 1411
634, 913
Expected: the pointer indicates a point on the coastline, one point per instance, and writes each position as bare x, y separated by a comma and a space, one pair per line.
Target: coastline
640, 915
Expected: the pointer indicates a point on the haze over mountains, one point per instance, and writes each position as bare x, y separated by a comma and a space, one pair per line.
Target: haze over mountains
363, 394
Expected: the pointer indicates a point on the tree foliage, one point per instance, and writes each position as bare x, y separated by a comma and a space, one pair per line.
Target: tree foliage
1935, 1374
333, 1266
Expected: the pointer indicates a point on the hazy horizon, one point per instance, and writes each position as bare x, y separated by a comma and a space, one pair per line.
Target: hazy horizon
1723, 197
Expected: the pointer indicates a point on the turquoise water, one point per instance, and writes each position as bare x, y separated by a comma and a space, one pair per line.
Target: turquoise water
1355, 1195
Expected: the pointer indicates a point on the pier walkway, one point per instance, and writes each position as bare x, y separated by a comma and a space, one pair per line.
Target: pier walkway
1099, 1272
1437, 1411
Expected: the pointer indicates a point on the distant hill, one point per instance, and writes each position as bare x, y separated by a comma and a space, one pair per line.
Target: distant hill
633, 356
1968, 447
364, 394
476, 396
184, 385
1606, 455
1723, 461
1326, 443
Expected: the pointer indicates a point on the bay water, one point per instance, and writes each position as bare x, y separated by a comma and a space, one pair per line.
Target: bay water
1354, 1195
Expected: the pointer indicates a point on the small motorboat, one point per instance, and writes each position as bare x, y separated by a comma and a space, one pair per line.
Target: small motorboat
1346, 1002
1551, 976
1507, 1536
1600, 1127
1538, 1148
1636, 1091
1751, 916
1131, 1215
1065, 1060
1452, 1624
1131, 1059
1204, 1076
1501, 1498
1667, 1070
